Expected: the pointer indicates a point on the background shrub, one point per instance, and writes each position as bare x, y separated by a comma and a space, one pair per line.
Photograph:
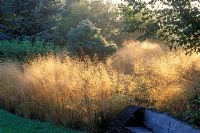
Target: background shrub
192, 113
23, 50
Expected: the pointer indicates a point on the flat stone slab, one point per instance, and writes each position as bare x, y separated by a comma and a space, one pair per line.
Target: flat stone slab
164, 123
136, 119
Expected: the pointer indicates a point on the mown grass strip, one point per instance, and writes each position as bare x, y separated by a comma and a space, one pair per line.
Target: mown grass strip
10, 123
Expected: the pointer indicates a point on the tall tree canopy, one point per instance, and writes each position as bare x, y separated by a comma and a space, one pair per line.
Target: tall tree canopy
103, 15
28, 18
175, 21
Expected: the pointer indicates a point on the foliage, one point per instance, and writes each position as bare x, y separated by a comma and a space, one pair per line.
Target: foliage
103, 15
135, 21
13, 124
29, 19
86, 39
51, 20
24, 50
192, 113
176, 22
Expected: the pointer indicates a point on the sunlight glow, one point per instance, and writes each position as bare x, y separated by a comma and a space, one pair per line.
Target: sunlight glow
116, 1
119, 1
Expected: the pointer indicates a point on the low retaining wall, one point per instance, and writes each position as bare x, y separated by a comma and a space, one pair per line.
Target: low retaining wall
138, 118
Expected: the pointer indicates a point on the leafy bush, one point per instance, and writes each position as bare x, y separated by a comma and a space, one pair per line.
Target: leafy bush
192, 113
85, 39
23, 50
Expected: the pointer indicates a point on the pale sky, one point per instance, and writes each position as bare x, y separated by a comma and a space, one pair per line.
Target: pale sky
116, 1
119, 1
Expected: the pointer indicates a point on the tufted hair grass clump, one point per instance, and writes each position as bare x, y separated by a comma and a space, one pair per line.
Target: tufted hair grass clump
87, 94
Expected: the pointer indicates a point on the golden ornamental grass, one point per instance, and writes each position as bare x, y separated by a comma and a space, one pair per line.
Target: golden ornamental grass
86, 94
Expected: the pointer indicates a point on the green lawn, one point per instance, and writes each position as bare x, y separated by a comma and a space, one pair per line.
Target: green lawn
10, 123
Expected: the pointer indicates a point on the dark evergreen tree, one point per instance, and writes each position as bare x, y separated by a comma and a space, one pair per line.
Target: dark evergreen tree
29, 18
85, 39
